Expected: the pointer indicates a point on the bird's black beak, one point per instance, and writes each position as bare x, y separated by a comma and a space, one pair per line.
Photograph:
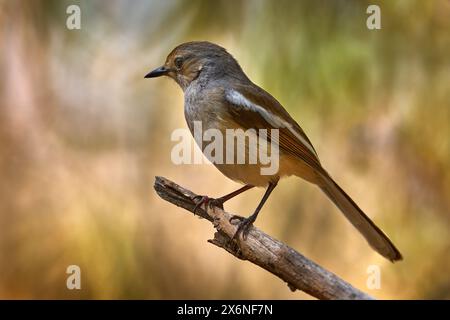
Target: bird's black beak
158, 72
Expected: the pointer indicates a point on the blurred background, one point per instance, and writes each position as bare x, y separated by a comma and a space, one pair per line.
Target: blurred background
82, 135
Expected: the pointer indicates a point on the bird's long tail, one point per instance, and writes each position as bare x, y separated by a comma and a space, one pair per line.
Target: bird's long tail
374, 236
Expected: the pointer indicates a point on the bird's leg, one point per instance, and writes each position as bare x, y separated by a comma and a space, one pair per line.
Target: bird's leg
234, 193
219, 201
246, 223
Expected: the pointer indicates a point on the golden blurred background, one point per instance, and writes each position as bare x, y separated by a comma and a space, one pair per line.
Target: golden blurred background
82, 135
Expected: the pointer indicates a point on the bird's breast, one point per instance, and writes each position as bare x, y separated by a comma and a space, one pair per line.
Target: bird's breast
203, 104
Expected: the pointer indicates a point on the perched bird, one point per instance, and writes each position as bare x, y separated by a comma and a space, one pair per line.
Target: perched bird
219, 94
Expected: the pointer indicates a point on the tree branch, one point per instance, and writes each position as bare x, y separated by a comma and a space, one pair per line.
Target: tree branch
259, 248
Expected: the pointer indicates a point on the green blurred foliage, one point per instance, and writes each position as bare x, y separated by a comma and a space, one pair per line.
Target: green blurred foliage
82, 135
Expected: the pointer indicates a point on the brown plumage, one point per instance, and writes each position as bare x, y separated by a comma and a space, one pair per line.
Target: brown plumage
219, 94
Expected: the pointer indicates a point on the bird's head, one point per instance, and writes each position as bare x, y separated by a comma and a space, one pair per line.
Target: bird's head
189, 60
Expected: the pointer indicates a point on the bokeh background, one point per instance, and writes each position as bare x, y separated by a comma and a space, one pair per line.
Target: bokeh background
82, 135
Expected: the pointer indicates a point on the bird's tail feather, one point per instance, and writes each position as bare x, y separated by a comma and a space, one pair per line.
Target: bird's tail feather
374, 236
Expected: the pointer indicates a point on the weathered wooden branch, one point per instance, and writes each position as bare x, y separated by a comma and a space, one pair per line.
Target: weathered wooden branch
259, 248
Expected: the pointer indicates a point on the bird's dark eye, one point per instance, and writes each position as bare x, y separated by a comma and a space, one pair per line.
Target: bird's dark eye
178, 62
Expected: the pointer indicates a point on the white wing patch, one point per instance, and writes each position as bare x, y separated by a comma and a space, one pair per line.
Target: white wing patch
236, 98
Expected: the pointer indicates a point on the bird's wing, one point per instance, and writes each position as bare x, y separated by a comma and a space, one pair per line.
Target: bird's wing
251, 107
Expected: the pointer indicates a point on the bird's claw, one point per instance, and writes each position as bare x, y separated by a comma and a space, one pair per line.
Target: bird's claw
244, 226
207, 201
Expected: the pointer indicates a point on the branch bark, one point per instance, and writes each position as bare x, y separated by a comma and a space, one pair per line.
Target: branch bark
261, 249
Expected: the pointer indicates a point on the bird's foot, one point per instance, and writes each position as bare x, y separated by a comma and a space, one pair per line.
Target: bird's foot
207, 201
244, 226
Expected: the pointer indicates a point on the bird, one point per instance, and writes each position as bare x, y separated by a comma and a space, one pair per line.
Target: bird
218, 93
